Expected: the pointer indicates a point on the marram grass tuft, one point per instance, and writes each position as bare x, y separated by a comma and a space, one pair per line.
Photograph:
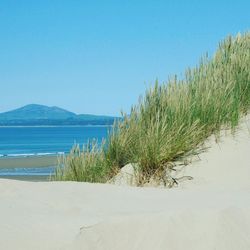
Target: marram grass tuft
172, 119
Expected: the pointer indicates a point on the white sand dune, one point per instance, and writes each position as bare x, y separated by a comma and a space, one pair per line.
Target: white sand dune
212, 211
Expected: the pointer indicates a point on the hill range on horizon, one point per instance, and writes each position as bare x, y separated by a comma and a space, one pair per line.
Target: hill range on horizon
39, 115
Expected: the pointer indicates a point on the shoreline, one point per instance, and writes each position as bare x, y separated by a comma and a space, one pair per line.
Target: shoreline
28, 178
9, 165
28, 162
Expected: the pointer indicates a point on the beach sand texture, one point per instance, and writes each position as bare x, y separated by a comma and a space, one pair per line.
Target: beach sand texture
212, 211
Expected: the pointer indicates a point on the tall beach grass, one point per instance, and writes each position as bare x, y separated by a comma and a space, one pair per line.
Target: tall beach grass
171, 120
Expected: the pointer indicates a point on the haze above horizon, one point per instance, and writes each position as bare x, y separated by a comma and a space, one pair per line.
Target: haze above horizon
97, 57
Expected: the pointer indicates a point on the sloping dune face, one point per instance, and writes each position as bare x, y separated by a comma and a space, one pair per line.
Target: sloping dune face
205, 229
210, 212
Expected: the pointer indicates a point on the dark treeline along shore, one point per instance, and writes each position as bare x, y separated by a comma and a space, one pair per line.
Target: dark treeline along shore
172, 120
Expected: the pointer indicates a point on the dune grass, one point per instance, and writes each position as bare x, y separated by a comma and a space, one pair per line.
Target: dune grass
172, 119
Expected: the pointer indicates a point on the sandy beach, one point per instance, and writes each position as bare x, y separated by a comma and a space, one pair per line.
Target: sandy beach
212, 211
28, 162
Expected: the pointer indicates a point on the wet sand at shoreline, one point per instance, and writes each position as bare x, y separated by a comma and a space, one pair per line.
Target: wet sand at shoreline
28, 162
32, 178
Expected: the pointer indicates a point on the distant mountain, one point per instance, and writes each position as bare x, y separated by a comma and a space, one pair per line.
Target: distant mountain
35, 114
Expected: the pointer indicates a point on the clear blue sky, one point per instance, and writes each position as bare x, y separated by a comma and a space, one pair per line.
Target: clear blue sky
99, 56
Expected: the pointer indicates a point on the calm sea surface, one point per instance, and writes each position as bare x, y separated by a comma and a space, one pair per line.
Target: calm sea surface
28, 141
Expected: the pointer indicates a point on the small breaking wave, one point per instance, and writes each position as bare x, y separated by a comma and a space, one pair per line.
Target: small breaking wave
30, 154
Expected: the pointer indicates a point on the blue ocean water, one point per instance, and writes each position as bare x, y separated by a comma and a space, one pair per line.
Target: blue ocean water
18, 141
28, 141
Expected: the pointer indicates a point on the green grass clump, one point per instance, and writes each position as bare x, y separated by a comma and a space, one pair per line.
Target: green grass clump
172, 119
87, 165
